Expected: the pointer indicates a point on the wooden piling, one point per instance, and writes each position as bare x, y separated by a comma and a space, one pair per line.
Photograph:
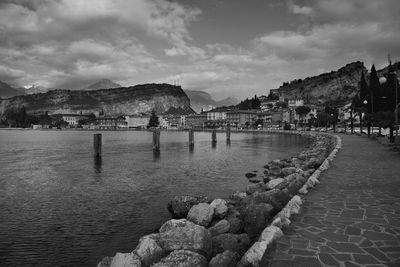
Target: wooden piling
191, 138
97, 145
156, 140
228, 133
214, 136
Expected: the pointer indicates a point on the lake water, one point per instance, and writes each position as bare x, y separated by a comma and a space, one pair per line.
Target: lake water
60, 207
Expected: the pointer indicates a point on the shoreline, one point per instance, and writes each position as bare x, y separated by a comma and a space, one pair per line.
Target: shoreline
235, 231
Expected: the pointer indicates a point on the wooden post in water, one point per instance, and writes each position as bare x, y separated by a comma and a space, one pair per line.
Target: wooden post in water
156, 140
228, 133
214, 136
191, 138
97, 145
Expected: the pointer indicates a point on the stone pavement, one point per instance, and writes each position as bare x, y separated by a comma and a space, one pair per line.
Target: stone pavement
352, 218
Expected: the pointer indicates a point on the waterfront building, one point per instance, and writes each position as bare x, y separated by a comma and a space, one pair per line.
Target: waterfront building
175, 118
72, 119
137, 121
196, 120
266, 118
111, 123
241, 118
217, 113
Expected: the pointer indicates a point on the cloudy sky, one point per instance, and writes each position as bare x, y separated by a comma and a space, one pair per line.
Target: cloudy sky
225, 47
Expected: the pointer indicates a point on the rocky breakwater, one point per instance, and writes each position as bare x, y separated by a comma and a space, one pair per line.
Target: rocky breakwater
235, 231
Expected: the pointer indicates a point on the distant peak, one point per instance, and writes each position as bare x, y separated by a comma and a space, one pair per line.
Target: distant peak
103, 84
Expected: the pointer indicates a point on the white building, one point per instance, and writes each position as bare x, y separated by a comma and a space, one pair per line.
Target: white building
293, 103
73, 119
214, 115
137, 121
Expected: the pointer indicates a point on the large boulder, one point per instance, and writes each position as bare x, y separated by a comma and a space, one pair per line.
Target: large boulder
226, 259
273, 183
256, 217
314, 162
269, 197
284, 196
183, 258
275, 171
126, 260
258, 187
288, 170
201, 214
183, 234
237, 195
179, 206
219, 228
235, 222
149, 249
233, 242
220, 208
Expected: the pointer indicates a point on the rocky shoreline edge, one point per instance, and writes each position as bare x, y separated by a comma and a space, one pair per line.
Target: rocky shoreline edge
239, 230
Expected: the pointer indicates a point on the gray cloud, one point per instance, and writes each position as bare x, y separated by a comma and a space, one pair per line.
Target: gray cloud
68, 44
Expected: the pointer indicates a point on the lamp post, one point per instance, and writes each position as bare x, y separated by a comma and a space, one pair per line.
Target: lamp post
396, 116
334, 122
396, 109
369, 123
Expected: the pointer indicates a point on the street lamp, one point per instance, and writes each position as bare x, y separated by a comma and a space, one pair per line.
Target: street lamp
396, 111
397, 107
369, 126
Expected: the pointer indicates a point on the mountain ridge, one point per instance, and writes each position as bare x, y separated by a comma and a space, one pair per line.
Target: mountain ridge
102, 84
7, 91
331, 87
118, 101
201, 99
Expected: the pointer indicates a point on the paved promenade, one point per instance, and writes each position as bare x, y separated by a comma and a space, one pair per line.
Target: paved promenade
352, 218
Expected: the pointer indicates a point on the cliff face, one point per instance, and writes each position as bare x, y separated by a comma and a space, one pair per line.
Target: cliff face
124, 100
333, 87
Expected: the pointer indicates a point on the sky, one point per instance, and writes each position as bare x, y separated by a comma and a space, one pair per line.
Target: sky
224, 47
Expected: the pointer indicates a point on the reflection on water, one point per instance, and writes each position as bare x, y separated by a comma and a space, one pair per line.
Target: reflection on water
97, 164
156, 155
62, 207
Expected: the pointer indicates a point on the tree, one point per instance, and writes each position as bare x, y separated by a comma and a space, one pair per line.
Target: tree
258, 122
153, 122
281, 104
23, 116
302, 111
375, 89
91, 118
324, 119
45, 119
60, 123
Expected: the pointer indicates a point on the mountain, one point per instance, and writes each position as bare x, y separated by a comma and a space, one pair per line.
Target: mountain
36, 89
229, 101
103, 84
335, 87
200, 100
6, 91
125, 100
